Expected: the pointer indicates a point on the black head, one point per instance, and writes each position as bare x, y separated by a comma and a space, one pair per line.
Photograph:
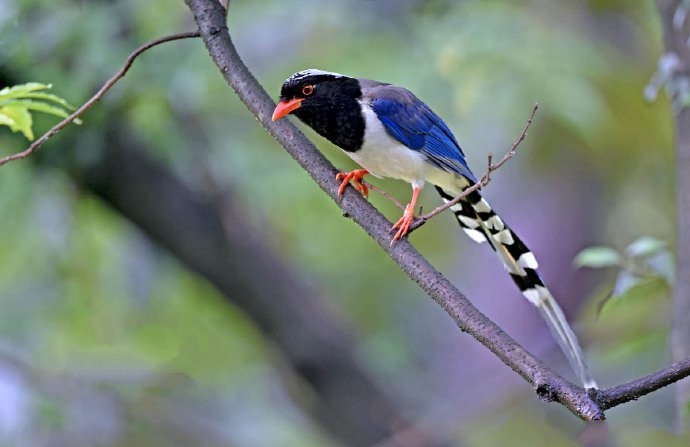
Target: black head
327, 102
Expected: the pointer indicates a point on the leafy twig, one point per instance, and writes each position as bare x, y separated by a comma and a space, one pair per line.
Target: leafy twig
95, 98
17, 103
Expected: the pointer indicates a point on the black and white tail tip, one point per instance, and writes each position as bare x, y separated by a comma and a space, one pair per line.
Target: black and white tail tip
482, 224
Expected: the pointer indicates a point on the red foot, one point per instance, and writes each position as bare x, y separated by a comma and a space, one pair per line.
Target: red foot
403, 224
356, 177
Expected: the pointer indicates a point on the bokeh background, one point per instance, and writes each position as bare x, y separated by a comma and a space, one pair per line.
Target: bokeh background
113, 333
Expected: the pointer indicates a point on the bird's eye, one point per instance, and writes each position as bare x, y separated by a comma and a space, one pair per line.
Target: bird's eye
307, 90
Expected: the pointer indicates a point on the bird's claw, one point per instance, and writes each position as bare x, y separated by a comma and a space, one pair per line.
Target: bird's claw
403, 224
356, 178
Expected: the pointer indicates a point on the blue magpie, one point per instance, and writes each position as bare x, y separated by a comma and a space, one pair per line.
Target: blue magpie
391, 133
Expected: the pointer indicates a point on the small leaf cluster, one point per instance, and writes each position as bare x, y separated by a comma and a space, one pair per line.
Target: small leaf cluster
17, 103
644, 261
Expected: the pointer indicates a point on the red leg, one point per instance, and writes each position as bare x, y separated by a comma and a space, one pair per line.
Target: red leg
356, 177
403, 224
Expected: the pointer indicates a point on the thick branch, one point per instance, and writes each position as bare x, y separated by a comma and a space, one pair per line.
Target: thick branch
211, 21
314, 348
676, 28
218, 243
108, 182
549, 385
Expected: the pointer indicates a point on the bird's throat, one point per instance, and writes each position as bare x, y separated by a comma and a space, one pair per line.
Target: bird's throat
341, 122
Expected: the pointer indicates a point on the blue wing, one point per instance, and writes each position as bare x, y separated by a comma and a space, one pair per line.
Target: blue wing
415, 125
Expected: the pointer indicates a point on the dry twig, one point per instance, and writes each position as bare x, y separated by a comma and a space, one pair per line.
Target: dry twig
484, 180
384, 194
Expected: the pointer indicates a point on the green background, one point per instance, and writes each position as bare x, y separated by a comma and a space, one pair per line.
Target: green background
106, 339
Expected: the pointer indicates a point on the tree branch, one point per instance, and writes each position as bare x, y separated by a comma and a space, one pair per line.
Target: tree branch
549, 385
95, 98
343, 398
386, 195
210, 16
218, 243
635, 389
676, 28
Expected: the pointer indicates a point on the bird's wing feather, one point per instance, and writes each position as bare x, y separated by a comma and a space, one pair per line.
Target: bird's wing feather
414, 124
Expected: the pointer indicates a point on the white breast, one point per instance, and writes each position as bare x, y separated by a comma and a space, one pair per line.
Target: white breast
384, 156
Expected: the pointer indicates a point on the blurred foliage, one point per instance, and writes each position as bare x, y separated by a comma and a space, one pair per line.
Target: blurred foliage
108, 340
644, 262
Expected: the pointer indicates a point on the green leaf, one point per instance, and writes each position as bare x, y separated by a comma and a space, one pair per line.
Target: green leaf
6, 120
18, 91
39, 95
21, 118
597, 257
17, 102
39, 107
645, 246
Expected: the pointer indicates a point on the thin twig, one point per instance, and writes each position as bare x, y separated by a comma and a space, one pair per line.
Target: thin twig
384, 193
95, 98
484, 180
637, 388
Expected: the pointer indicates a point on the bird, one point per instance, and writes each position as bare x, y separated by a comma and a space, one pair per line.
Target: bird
391, 133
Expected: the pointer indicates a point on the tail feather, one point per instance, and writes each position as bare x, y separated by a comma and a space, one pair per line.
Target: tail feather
481, 223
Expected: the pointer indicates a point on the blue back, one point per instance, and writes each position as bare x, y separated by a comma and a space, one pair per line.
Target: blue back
415, 125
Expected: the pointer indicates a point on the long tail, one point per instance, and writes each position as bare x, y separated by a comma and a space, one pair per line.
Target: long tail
481, 224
